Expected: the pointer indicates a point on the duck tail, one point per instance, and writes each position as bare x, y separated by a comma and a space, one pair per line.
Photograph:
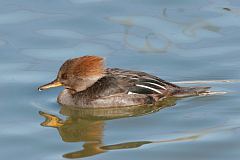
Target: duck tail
190, 91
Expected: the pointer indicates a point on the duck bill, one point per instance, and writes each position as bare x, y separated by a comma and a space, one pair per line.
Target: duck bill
52, 84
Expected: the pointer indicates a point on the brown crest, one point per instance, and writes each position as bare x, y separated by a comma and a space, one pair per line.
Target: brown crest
88, 66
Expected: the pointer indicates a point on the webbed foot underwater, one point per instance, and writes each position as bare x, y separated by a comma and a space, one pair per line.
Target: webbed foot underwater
87, 83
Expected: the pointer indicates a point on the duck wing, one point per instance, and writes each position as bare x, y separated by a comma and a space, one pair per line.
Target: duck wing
134, 82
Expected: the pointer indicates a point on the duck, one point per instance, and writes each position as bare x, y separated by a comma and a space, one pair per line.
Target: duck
89, 84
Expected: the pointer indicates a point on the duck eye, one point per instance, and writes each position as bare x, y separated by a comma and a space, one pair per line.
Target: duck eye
64, 76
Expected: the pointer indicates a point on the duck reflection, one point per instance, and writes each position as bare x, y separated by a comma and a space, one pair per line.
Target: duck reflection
87, 126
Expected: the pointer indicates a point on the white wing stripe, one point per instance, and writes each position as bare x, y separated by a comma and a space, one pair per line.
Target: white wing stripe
131, 92
155, 80
156, 85
155, 90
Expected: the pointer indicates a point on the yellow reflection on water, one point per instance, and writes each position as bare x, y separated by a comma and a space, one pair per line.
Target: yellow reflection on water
87, 125
75, 129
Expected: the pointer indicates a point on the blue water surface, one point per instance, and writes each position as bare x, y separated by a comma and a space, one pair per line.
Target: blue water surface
185, 40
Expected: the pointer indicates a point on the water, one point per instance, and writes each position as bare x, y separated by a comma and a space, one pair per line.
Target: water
176, 40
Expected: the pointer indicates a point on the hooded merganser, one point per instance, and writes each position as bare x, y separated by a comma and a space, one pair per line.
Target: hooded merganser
87, 83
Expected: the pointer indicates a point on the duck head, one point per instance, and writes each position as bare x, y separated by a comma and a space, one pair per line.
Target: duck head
78, 74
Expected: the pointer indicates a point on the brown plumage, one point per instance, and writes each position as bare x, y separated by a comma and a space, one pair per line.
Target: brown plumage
88, 84
86, 66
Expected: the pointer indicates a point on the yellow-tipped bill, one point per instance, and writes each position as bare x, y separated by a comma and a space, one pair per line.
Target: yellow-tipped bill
52, 84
